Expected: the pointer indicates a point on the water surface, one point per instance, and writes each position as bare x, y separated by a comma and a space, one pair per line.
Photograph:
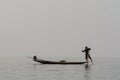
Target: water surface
25, 69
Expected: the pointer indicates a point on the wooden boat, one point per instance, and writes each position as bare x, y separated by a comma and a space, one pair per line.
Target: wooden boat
55, 62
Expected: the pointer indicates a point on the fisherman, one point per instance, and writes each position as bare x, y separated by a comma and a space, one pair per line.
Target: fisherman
87, 55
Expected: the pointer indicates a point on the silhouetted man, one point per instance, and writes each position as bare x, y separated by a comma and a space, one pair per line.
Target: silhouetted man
87, 55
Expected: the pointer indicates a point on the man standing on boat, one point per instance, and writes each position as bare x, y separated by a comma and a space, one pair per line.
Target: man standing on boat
87, 55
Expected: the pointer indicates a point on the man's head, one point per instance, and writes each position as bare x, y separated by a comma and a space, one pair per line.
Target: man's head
86, 47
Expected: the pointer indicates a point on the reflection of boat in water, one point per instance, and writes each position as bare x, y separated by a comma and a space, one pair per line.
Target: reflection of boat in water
55, 62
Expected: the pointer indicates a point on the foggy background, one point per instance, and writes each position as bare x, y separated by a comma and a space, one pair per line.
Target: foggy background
59, 27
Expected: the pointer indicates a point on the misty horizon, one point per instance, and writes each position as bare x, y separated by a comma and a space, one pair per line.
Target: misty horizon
59, 28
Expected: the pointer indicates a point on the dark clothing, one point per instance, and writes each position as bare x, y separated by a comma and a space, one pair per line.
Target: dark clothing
86, 52
87, 55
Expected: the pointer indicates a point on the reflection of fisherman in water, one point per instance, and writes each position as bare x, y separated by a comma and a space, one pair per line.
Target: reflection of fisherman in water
87, 72
87, 55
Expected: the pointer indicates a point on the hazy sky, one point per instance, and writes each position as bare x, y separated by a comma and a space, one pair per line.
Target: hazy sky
59, 27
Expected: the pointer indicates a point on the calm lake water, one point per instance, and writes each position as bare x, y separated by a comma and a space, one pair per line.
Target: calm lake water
25, 69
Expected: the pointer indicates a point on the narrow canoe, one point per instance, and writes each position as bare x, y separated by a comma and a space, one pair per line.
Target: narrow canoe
55, 62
